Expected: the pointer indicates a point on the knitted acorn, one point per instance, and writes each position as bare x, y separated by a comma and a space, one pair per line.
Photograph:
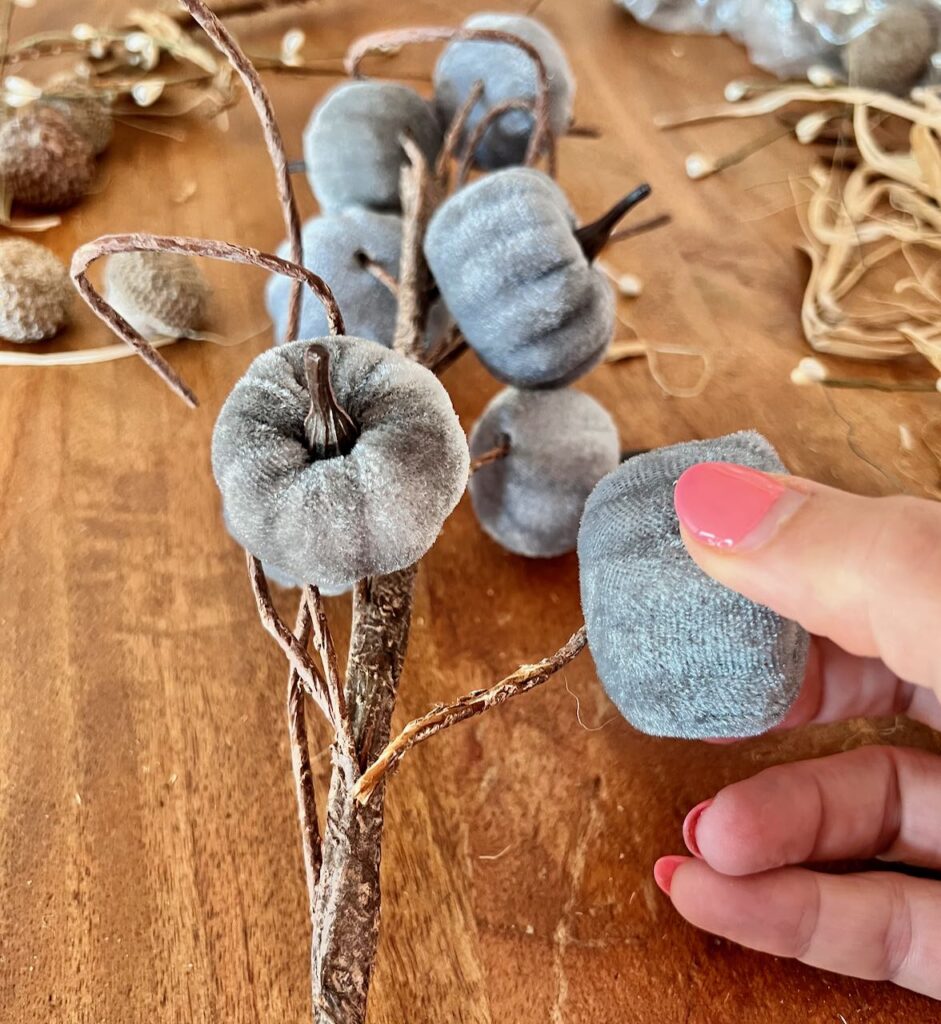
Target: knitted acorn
895, 53
517, 277
87, 110
352, 146
559, 445
677, 652
35, 292
160, 294
334, 248
355, 482
507, 73
44, 162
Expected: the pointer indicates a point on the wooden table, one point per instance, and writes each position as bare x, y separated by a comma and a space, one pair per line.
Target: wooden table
149, 863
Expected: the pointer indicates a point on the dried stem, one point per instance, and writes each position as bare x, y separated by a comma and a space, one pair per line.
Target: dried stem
651, 224
455, 133
227, 45
378, 271
594, 237
243, 8
499, 451
109, 245
448, 351
300, 764
482, 127
329, 429
525, 678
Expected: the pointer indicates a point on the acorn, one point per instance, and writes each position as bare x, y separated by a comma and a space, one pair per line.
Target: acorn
517, 276
35, 291
558, 445
895, 53
338, 459
341, 248
44, 162
87, 110
160, 294
679, 653
352, 144
507, 73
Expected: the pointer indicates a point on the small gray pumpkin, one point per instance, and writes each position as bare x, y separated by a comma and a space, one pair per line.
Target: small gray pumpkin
677, 652
352, 147
895, 53
332, 515
332, 246
560, 444
507, 73
518, 280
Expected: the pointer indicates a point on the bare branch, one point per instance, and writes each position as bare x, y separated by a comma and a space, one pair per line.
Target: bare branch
525, 678
499, 451
378, 271
455, 133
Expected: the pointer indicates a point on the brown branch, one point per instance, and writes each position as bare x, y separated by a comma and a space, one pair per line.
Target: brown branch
419, 199
641, 228
455, 133
243, 8
525, 678
300, 765
499, 451
109, 245
481, 129
378, 271
226, 43
448, 351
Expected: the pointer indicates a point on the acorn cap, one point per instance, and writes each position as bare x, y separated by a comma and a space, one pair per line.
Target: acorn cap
87, 110
894, 54
35, 291
160, 294
44, 161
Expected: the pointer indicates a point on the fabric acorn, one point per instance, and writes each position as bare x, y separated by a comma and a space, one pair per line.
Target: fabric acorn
44, 162
507, 73
35, 292
352, 146
895, 53
160, 294
357, 482
517, 277
86, 109
677, 652
334, 248
559, 445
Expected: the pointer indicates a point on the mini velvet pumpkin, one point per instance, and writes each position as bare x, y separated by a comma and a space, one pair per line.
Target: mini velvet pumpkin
514, 276
352, 146
507, 73
677, 652
333, 246
560, 444
333, 519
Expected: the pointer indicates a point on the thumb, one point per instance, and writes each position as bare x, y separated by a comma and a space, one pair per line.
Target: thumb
865, 572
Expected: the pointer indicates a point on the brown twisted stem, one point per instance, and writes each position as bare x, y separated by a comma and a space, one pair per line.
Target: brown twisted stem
378, 271
641, 228
525, 678
455, 133
378, 42
484, 125
244, 8
109, 245
329, 428
594, 237
226, 43
494, 454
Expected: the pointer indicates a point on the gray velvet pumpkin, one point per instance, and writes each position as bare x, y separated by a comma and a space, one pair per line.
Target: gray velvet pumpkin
332, 245
334, 521
507, 73
504, 254
678, 653
561, 443
352, 146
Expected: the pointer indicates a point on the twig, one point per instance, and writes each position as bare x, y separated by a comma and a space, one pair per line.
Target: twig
525, 678
109, 245
378, 271
499, 451
300, 764
448, 351
242, 8
651, 224
483, 126
455, 133
227, 45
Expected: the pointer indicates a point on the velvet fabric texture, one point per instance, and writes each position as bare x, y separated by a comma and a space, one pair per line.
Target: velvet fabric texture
678, 653
352, 145
507, 73
513, 275
561, 444
334, 521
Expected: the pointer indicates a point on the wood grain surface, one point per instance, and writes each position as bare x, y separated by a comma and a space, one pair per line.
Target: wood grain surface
149, 862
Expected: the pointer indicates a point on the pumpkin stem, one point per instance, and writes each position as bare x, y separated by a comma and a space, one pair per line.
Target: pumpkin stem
594, 237
328, 426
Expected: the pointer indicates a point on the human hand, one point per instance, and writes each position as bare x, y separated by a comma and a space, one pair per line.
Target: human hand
863, 576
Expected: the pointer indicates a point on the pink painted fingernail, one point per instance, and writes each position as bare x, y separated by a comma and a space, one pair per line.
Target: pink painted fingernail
732, 507
665, 869
689, 827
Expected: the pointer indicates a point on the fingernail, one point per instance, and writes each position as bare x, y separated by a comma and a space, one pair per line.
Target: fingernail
665, 869
732, 507
689, 827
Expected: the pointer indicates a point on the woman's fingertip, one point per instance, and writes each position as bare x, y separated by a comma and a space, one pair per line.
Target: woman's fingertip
665, 869
690, 825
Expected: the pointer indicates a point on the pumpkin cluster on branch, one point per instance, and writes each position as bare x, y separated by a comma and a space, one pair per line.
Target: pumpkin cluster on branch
339, 456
